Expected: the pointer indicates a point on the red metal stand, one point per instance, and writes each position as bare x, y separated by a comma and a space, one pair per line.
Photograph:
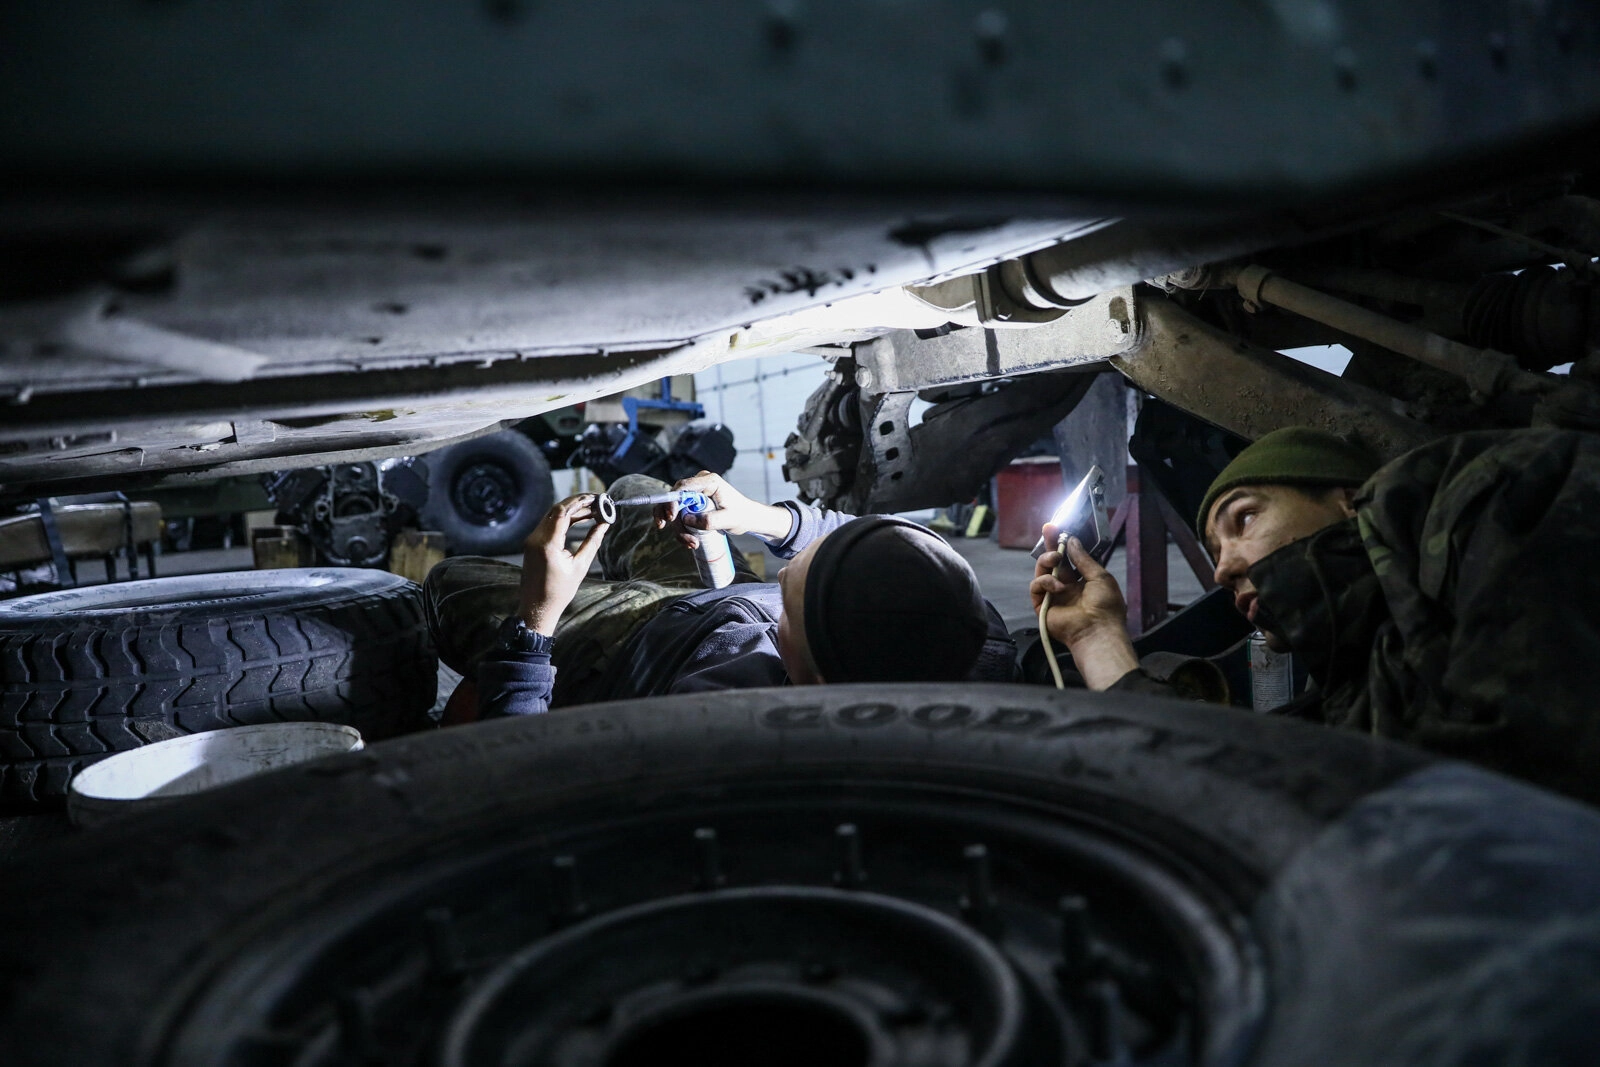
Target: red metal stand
1141, 524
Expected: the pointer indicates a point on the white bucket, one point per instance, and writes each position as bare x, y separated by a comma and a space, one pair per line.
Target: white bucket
148, 777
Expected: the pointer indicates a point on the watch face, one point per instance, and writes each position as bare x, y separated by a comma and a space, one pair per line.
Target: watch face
513, 634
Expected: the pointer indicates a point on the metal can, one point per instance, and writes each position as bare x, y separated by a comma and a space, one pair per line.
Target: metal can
713, 559
1271, 675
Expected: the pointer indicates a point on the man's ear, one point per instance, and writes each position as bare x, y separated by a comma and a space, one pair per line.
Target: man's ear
1347, 500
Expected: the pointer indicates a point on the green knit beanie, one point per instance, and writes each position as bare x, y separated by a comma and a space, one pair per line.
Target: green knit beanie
1294, 455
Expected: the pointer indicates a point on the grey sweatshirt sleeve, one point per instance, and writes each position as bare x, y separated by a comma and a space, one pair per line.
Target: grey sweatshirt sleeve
514, 683
807, 523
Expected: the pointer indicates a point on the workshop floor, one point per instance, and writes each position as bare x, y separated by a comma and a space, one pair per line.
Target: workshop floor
1004, 574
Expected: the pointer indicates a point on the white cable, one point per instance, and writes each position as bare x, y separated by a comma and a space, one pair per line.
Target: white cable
1044, 639
1044, 609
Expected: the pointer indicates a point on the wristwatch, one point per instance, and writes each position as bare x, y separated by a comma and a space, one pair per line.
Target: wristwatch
514, 636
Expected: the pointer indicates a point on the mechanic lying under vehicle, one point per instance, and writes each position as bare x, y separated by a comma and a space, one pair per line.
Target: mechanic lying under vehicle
1448, 598
870, 599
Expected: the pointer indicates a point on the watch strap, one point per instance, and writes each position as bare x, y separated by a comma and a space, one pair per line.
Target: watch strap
514, 636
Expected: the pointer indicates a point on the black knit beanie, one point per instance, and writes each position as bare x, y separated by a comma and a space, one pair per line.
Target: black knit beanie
887, 600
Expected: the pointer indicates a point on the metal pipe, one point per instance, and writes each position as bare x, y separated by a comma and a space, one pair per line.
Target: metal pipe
1126, 252
1442, 298
1488, 372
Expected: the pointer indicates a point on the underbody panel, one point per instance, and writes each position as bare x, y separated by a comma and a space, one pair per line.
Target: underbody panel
290, 233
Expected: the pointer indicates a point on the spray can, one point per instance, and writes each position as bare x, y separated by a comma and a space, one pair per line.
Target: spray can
713, 556
1271, 675
713, 559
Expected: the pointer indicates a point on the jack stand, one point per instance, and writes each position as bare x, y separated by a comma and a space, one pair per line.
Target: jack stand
1140, 524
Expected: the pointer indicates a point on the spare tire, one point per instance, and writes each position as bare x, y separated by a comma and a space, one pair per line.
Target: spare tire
924, 875
486, 495
90, 671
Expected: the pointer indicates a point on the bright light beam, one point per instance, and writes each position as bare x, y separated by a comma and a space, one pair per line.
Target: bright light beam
1064, 512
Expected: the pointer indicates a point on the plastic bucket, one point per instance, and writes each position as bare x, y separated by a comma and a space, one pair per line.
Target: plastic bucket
158, 774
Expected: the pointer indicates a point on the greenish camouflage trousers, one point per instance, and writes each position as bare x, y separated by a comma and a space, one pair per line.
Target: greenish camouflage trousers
643, 570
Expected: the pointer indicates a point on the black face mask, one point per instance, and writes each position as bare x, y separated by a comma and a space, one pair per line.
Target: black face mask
1265, 620
1326, 603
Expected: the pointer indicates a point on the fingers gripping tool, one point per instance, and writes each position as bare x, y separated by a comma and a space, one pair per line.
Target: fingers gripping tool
713, 557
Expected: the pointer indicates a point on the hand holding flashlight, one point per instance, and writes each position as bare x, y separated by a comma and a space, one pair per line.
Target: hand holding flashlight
1078, 603
1082, 515
693, 510
1064, 570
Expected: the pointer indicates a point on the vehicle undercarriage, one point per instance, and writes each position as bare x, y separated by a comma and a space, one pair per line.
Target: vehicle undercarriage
189, 289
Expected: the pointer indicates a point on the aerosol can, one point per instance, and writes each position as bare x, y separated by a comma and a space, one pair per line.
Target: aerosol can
713, 556
1271, 675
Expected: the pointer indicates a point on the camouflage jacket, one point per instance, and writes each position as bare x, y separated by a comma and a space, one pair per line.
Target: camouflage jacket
1460, 609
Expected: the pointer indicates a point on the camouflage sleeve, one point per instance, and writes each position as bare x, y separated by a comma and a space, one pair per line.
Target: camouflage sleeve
1483, 544
1178, 677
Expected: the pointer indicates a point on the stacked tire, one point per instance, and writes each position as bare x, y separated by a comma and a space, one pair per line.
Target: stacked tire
486, 495
88, 672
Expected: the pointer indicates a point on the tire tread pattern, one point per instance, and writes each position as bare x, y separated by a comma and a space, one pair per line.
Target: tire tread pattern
81, 693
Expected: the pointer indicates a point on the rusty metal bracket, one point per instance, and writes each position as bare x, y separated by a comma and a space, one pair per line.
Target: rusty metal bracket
1252, 391
950, 455
1092, 332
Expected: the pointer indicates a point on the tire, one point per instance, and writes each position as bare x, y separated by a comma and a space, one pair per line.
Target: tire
486, 495
793, 876
92, 671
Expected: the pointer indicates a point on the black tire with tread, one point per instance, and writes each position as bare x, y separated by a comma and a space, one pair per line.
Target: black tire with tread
78, 683
509, 450
1345, 859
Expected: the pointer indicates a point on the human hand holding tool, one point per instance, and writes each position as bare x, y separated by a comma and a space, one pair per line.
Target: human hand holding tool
550, 573
1080, 605
730, 512
1077, 601
669, 506
1082, 515
697, 513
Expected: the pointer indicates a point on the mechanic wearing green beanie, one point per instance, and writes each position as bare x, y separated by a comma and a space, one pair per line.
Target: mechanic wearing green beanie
1289, 485
1433, 599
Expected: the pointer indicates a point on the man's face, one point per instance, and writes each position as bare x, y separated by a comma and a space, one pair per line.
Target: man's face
1254, 521
792, 647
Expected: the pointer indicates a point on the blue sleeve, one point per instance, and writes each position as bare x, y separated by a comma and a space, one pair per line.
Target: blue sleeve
513, 683
808, 524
